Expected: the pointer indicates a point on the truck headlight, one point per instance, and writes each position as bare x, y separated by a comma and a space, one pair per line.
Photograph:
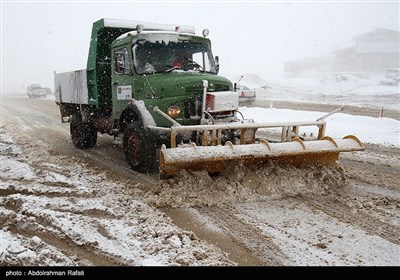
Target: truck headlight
173, 111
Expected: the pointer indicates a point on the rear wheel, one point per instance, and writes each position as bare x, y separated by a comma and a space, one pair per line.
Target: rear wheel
139, 148
83, 135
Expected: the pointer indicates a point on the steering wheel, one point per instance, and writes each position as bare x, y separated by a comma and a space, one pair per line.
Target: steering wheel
194, 64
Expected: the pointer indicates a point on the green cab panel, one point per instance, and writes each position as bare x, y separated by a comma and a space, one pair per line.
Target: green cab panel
162, 90
105, 37
113, 80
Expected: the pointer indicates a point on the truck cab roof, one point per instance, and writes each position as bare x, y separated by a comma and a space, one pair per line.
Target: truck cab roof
154, 36
132, 24
105, 31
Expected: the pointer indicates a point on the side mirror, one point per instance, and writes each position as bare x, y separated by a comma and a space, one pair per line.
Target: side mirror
235, 87
120, 67
217, 64
120, 63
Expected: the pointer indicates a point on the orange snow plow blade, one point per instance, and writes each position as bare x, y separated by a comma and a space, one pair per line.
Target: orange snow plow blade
214, 158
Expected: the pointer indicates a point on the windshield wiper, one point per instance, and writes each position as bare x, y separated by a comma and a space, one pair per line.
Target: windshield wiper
172, 69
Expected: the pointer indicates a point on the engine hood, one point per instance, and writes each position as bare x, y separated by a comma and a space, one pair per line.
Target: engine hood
185, 83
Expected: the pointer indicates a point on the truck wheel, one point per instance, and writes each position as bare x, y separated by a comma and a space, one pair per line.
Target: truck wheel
139, 148
83, 135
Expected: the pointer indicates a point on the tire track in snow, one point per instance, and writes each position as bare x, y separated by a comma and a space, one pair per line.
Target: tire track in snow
346, 214
45, 189
261, 245
83, 255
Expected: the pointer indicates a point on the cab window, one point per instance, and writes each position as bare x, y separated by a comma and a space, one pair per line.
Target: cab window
121, 62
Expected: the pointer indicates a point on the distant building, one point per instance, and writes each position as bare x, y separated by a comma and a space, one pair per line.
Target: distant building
378, 50
374, 51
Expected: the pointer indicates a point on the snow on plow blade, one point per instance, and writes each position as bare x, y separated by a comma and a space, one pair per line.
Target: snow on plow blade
214, 158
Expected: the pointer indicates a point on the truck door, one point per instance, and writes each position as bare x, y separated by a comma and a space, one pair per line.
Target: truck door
122, 81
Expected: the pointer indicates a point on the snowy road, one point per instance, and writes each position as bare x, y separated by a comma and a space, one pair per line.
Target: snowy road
89, 208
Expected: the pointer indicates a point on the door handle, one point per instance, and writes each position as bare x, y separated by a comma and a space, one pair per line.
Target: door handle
115, 84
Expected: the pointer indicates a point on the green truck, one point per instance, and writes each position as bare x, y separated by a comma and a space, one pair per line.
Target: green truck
156, 87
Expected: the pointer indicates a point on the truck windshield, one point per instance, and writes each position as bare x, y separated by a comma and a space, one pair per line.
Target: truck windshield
159, 57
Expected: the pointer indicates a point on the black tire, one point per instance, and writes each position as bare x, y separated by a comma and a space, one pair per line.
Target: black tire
228, 135
83, 135
139, 148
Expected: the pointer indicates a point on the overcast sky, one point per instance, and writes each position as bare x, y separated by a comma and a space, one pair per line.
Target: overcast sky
258, 37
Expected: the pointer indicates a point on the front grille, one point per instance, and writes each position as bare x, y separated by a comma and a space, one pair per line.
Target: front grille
194, 89
192, 109
198, 89
221, 87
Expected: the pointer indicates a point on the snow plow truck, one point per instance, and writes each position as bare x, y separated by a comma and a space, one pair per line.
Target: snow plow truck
156, 87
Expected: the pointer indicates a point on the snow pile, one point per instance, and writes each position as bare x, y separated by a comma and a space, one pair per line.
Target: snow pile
238, 183
14, 169
17, 250
334, 83
250, 80
7, 147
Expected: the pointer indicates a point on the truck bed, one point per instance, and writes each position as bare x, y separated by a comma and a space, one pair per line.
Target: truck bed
71, 87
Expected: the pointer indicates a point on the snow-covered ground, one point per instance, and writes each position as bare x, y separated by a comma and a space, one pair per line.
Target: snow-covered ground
344, 244
383, 131
66, 209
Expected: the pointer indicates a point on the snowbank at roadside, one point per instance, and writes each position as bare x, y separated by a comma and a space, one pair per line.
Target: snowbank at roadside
382, 131
341, 89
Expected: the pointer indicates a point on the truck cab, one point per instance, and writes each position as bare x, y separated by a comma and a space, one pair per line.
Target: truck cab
164, 69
